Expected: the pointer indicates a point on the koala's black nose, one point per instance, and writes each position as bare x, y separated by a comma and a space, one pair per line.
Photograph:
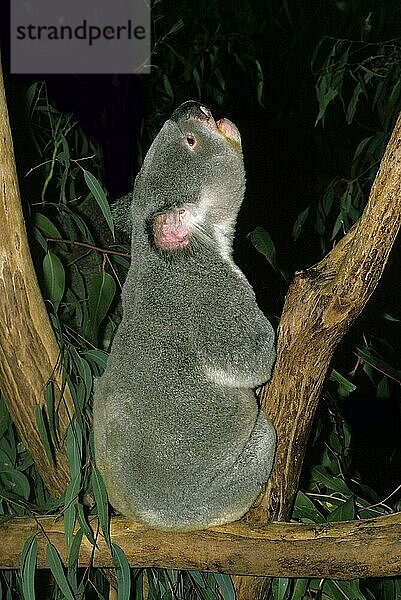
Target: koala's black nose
191, 109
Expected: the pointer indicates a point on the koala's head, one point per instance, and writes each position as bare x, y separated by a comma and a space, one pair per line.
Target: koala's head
192, 182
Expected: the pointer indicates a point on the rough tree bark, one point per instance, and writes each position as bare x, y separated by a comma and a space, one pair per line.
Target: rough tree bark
29, 355
345, 550
320, 306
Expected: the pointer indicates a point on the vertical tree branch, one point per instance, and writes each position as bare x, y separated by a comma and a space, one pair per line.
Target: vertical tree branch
29, 355
321, 304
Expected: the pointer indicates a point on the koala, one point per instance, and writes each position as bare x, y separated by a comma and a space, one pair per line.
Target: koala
180, 440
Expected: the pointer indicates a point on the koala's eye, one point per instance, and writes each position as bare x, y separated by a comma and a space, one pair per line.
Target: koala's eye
190, 140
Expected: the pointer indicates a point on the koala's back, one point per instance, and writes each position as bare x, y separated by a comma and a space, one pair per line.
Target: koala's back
178, 449
179, 438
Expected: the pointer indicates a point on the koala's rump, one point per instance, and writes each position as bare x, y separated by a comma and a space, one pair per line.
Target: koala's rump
177, 450
167, 451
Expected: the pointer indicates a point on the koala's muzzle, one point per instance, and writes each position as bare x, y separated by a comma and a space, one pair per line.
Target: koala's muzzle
191, 109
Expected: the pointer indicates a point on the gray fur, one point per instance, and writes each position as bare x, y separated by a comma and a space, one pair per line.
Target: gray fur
179, 437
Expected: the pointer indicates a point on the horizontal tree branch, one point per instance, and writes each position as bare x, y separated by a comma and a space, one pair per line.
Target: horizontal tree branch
341, 550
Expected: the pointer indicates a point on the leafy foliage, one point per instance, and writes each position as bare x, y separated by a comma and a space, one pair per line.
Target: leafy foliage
365, 79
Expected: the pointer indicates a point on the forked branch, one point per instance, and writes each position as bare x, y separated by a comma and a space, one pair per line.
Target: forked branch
321, 304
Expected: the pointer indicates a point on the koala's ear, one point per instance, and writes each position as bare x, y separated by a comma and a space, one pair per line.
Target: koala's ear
121, 213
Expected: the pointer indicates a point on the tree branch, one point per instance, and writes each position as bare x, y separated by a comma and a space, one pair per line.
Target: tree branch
321, 304
29, 355
351, 549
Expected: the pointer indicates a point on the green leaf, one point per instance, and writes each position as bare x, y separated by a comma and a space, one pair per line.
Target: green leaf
379, 364
345, 387
176, 27
64, 155
54, 278
73, 560
28, 568
48, 228
299, 223
306, 511
43, 432
97, 357
52, 420
74, 448
361, 147
353, 103
388, 317
226, 586
344, 590
263, 243
344, 512
100, 197
83, 523
56, 567
101, 293
15, 482
5, 418
280, 588
70, 501
383, 390
102, 504
324, 100
122, 571
300, 588
138, 584
331, 482
260, 88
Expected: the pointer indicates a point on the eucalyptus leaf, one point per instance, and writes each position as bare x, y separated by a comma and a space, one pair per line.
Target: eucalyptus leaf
328, 481
299, 223
101, 294
122, 571
226, 585
379, 364
74, 448
72, 569
43, 432
51, 410
306, 511
16, 482
56, 567
83, 523
46, 226
345, 512
5, 418
263, 243
102, 504
100, 197
28, 568
54, 278
97, 357
342, 590
197, 577
70, 501
280, 588
176, 27
346, 387
300, 588
353, 103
